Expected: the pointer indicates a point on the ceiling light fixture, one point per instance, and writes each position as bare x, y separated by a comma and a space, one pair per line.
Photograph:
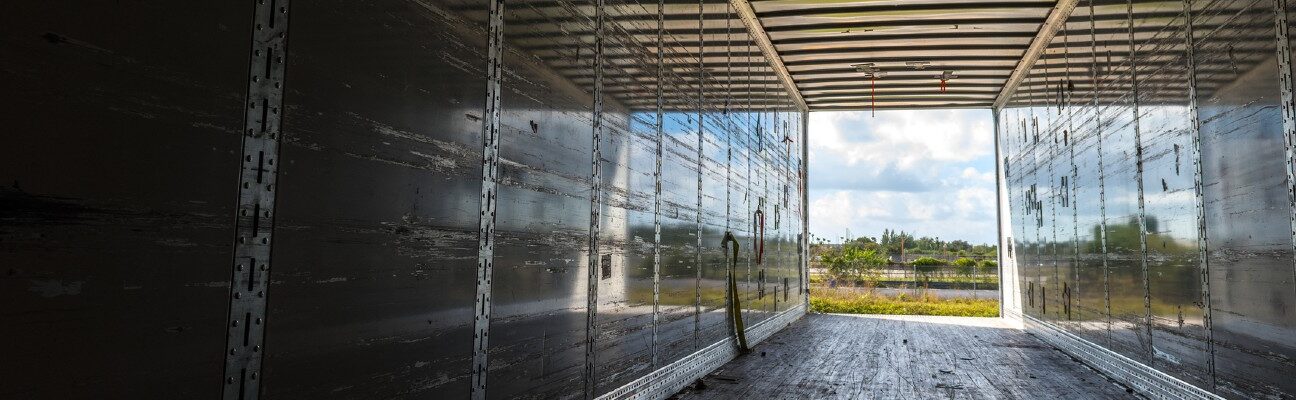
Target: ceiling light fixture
944, 77
918, 65
871, 71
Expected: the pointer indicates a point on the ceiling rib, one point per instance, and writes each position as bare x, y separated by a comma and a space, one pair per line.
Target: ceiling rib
1055, 21
757, 30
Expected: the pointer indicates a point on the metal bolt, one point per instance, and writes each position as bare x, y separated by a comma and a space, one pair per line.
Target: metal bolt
233, 351
256, 348
229, 380
263, 267
235, 323
258, 321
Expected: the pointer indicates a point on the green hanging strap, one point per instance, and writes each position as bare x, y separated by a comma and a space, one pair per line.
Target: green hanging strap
735, 304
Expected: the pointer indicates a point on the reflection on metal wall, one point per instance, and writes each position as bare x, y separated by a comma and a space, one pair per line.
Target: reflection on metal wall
468, 197
1146, 172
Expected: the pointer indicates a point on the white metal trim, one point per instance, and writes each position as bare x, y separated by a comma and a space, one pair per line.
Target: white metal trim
1054, 22
757, 30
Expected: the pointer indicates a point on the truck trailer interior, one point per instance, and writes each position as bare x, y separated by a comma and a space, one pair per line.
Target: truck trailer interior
496, 199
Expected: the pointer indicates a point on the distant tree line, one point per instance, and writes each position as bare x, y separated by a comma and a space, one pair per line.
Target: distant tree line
892, 241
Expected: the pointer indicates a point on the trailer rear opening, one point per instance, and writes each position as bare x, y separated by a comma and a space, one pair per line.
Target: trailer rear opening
531, 199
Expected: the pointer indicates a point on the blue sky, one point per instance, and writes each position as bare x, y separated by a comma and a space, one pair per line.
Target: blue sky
928, 172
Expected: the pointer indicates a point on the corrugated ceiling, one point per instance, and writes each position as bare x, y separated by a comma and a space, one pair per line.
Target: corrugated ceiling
827, 48
823, 44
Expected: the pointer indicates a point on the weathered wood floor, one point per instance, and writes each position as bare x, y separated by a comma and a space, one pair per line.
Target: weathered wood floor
904, 357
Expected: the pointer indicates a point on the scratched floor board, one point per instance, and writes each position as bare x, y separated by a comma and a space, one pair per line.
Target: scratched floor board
904, 357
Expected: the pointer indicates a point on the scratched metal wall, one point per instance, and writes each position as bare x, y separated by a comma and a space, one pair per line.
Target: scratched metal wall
1147, 178
127, 195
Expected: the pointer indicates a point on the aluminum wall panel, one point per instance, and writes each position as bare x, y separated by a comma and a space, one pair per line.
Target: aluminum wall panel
456, 190
1182, 221
713, 200
1087, 291
624, 345
378, 194
679, 237
542, 256
1124, 198
120, 162
1173, 262
1251, 250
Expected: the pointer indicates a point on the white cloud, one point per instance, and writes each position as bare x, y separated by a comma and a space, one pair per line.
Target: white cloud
927, 172
906, 138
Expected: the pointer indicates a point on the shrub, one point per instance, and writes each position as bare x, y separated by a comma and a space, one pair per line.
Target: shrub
926, 266
965, 266
988, 267
927, 261
853, 264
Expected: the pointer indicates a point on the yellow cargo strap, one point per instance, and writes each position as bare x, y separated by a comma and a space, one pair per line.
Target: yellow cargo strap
735, 302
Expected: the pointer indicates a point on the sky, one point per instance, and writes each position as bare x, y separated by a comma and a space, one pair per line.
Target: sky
927, 172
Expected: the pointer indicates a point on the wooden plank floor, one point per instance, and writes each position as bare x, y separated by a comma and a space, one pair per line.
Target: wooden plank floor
903, 357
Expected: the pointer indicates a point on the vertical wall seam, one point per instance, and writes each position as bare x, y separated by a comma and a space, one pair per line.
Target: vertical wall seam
489, 186
805, 207
1198, 190
729, 166
1055, 186
1288, 106
657, 183
1069, 140
1138, 178
1102, 186
1039, 210
747, 198
697, 258
254, 222
596, 204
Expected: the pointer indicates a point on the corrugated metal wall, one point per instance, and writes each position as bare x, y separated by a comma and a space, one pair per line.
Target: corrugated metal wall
160, 240
1147, 180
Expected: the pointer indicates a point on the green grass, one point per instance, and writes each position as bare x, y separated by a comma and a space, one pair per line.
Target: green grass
855, 301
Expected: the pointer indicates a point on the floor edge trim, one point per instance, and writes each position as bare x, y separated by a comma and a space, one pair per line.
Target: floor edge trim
1144, 379
669, 379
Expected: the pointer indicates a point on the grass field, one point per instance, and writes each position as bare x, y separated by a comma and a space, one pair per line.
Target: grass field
862, 301
980, 280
